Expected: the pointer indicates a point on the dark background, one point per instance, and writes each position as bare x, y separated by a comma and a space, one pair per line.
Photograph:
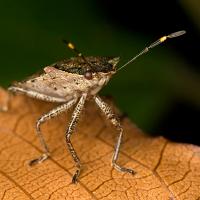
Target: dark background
159, 92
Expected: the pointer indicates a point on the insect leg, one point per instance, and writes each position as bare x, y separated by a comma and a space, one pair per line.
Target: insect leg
74, 120
6, 105
53, 113
105, 108
35, 94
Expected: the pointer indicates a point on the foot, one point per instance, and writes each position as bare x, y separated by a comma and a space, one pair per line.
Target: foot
123, 169
42, 158
75, 176
3, 108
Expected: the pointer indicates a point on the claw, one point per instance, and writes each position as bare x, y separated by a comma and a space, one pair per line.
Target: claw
4, 108
123, 169
128, 170
75, 177
42, 158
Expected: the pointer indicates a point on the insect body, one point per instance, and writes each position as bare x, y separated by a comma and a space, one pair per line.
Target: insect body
69, 79
74, 81
69, 82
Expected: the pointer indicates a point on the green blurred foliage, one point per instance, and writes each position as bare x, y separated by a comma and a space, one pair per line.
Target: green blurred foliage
31, 35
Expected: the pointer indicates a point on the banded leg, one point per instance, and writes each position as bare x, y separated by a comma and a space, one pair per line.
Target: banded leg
105, 108
53, 113
36, 95
6, 105
74, 120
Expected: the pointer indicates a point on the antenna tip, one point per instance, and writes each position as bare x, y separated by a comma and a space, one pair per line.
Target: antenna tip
70, 45
65, 41
177, 34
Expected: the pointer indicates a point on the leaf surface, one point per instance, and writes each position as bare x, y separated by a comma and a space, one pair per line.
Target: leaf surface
165, 170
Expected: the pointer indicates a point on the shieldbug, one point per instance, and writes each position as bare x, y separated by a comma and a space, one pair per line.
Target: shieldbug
74, 81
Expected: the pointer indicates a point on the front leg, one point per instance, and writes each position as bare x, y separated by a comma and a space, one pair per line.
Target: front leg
5, 103
71, 127
105, 108
30, 93
35, 94
53, 113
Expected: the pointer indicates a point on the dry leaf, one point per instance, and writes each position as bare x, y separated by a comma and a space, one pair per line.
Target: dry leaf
165, 170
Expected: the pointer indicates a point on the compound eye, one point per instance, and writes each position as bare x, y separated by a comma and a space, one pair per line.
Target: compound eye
88, 75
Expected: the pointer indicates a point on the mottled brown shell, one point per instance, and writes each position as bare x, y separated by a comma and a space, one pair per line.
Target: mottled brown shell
78, 65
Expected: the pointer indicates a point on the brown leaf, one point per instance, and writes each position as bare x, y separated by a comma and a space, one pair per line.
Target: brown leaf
165, 170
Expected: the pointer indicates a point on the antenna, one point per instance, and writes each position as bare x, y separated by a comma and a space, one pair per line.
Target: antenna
154, 44
78, 53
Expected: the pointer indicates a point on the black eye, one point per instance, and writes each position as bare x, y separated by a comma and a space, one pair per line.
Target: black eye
88, 75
